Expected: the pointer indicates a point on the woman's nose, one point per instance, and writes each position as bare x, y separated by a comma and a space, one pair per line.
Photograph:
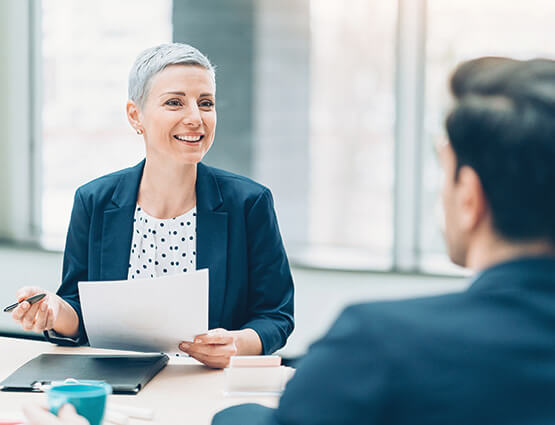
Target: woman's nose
192, 116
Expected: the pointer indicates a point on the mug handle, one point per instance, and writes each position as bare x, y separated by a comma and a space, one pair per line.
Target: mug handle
58, 404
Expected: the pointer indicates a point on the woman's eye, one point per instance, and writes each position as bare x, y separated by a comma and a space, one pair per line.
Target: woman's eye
206, 104
173, 102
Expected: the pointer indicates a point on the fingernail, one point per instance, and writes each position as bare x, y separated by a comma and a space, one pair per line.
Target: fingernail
185, 345
43, 307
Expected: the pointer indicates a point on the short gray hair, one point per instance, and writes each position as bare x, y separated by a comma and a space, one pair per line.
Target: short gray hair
155, 59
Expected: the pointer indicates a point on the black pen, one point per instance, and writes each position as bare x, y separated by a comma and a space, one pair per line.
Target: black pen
30, 300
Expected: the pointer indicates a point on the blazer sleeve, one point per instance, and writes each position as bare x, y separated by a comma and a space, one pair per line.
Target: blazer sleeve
270, 281
245, 414
343, 379
75, 268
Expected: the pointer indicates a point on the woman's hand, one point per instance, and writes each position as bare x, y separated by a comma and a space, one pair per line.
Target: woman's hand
66, 416
40, 316
213, 348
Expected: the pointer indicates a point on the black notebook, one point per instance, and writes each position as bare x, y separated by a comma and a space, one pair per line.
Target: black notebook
126, 374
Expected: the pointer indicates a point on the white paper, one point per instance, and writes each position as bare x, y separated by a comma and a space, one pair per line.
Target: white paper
148, 315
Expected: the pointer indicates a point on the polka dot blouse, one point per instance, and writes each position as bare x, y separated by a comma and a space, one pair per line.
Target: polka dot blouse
162, 247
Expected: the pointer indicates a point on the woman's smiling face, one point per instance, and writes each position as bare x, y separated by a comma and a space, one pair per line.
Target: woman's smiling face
179, 114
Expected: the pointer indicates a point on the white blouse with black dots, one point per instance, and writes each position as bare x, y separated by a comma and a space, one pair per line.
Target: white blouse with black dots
162, 247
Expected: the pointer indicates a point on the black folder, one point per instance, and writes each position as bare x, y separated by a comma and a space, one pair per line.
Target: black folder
126, 374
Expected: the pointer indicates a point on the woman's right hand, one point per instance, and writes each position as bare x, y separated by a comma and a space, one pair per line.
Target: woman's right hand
40, 316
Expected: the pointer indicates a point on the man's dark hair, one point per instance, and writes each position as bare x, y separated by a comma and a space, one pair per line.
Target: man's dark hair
503, 126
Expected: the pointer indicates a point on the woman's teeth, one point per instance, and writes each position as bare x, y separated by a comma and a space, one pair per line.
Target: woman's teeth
188, 138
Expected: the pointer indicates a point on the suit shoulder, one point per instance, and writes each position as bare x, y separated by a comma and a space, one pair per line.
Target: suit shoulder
410, 316
413, 305
102, 188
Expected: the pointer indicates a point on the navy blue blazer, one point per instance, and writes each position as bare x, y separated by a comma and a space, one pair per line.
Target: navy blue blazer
484, 356
238, 240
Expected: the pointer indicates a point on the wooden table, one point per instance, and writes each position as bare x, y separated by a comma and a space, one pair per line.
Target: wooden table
184, 392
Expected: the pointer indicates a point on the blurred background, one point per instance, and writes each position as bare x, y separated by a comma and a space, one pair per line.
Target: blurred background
334, 104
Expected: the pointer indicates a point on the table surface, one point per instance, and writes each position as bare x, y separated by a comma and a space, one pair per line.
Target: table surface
184, 392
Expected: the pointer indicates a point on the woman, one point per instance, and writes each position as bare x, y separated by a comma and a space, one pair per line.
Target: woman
170, 214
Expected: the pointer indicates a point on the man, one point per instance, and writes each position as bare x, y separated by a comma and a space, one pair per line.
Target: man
484, 356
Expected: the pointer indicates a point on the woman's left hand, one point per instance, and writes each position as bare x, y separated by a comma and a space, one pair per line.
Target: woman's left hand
213, 348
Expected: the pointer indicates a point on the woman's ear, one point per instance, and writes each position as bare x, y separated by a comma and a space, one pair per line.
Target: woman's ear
133, 116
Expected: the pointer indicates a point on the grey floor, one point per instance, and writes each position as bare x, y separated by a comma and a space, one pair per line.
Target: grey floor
320, 295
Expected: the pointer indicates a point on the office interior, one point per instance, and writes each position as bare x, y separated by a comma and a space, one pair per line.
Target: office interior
335, 105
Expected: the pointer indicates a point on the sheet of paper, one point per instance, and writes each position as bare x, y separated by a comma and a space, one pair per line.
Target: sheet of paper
149, 315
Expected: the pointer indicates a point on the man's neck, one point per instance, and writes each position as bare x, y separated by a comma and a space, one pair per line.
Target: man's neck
494, 251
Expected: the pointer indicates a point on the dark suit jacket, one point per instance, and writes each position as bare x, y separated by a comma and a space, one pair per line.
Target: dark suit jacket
238, 240
485, 356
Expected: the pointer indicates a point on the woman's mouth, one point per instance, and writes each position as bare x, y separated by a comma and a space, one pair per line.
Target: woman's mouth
189, 139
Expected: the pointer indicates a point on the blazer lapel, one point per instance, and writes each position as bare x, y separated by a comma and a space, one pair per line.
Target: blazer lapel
117, 227
212, 235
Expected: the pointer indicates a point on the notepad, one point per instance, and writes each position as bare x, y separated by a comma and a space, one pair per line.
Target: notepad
256, 376
126, 374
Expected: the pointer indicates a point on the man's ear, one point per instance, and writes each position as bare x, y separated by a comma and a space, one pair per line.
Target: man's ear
472, 202
134, 116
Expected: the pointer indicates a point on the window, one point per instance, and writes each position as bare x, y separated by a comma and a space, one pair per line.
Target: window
459, 30
88, 49
352, 125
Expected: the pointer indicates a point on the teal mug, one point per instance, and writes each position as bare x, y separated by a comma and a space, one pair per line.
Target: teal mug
88, 398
